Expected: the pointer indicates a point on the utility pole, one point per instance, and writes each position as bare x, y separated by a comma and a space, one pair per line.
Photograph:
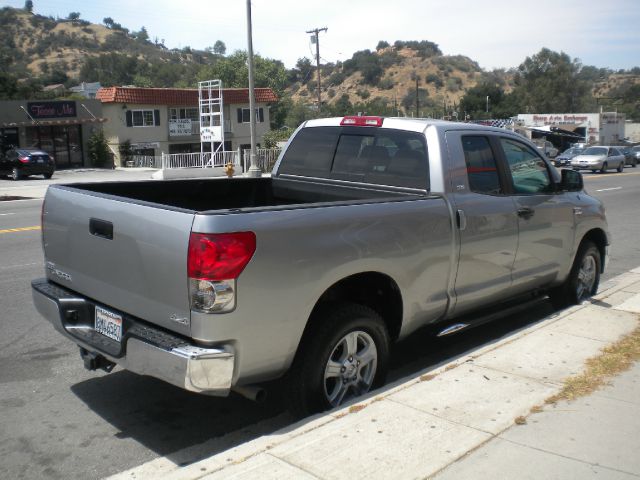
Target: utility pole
417, 99
316, 39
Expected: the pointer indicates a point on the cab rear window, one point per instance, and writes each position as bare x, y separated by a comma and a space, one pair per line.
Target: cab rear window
368, 155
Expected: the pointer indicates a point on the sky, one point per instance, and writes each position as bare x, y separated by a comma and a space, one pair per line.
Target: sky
502, 34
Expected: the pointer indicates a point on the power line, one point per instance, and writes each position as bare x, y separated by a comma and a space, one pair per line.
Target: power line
316, 32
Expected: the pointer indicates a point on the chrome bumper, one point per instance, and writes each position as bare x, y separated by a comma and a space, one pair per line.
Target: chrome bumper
193, 368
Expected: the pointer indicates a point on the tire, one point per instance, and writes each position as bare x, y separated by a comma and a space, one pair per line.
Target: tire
605, 165
48, 175
16, 174
634, 163
583, 280
343, 354
620, 168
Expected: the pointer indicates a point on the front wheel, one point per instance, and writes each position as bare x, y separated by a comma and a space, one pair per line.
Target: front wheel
16, 174
583, 279
604, 168
343, 355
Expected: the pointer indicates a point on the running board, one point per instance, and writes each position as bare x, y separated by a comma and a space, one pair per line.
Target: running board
493, 313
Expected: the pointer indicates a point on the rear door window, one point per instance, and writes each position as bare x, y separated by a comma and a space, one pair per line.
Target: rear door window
368, 155
482, 167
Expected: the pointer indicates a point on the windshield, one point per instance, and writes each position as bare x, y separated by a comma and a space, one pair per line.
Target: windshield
595, 151
572, 151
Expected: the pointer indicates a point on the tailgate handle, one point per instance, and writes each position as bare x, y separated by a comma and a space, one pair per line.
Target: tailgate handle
101, 228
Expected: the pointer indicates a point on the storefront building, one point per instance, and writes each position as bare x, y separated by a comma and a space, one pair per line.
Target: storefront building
61, 128
153, 121
606, 128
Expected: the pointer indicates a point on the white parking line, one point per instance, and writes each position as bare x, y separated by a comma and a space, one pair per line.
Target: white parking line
609, 189
5, 214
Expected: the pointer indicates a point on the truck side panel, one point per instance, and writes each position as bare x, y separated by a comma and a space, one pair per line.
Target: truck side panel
301, 253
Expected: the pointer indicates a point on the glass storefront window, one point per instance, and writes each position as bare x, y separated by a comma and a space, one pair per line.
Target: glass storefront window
63, 143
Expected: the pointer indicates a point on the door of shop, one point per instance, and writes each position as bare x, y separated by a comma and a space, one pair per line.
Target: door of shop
62, 142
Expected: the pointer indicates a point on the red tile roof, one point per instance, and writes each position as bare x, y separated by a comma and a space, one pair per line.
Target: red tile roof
178, 96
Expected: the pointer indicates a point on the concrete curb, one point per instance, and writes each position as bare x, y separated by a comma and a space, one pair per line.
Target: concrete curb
419, 425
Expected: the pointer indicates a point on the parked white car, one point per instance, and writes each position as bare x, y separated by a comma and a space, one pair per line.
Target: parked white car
599, 158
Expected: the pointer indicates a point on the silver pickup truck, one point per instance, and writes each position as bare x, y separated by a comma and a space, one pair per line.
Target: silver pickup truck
368, 229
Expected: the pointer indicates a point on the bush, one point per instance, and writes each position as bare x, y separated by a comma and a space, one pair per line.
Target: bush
99, 153
386, 83
362, 93
336, 79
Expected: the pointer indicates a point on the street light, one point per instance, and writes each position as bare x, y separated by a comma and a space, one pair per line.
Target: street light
254, 170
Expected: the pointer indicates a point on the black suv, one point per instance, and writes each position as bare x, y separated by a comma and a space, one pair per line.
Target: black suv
22, 162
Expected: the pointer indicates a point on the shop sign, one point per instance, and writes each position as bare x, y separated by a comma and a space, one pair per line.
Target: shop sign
145, 145
51, 109
180, 127
210, 134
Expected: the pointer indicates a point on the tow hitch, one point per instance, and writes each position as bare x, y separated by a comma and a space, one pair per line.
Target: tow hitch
95, 361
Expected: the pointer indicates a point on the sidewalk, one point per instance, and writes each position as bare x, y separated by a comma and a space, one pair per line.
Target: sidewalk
458, 421
36, 187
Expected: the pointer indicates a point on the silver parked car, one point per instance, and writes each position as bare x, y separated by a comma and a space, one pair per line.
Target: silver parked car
599, 158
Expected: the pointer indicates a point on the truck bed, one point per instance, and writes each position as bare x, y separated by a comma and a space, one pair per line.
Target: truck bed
203, 195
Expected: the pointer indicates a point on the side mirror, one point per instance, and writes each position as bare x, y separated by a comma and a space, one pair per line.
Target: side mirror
571, 181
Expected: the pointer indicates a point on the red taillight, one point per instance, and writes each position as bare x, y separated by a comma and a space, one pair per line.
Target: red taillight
219, 256
362, 121
24, 159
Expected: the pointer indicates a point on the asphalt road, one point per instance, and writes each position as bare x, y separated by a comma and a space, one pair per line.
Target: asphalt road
61, 421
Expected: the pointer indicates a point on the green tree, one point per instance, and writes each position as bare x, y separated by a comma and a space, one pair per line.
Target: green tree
142, 35
550, 82
108, 22
99, 154
272, 137
474, 102
304, 70
73, 16
28, 6
219, 48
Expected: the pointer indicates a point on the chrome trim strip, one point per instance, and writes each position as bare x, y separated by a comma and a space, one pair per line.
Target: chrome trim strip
453, 329
376, 187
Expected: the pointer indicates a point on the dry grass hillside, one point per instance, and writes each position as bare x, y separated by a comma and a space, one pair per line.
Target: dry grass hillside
441, 78
37, 45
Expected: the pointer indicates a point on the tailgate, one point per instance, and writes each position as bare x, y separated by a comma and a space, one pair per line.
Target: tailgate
128, 256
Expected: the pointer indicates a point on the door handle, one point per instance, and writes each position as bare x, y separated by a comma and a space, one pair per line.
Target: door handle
526, 212
462, 219
101, 228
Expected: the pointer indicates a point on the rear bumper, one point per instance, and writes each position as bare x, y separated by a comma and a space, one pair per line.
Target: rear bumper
144, 349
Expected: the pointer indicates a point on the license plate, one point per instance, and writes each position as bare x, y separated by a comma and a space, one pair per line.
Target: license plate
108, 324
40, 160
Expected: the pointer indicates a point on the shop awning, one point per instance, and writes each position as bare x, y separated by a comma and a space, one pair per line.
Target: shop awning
54, 122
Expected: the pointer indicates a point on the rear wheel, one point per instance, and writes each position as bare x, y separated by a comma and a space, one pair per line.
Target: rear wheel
342, 356
48, 175
16, 174
583, 279
604, 167
621, 167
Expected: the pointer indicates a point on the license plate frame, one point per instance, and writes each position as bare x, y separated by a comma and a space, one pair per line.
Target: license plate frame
108, 323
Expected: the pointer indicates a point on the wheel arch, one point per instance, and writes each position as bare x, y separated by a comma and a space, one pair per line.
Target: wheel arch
599, 238
375, 290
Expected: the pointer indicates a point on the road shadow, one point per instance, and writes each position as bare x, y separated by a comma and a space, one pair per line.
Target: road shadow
171, 422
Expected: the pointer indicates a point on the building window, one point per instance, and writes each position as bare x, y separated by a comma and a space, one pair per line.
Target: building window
243, 115
180, 113
143, 118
